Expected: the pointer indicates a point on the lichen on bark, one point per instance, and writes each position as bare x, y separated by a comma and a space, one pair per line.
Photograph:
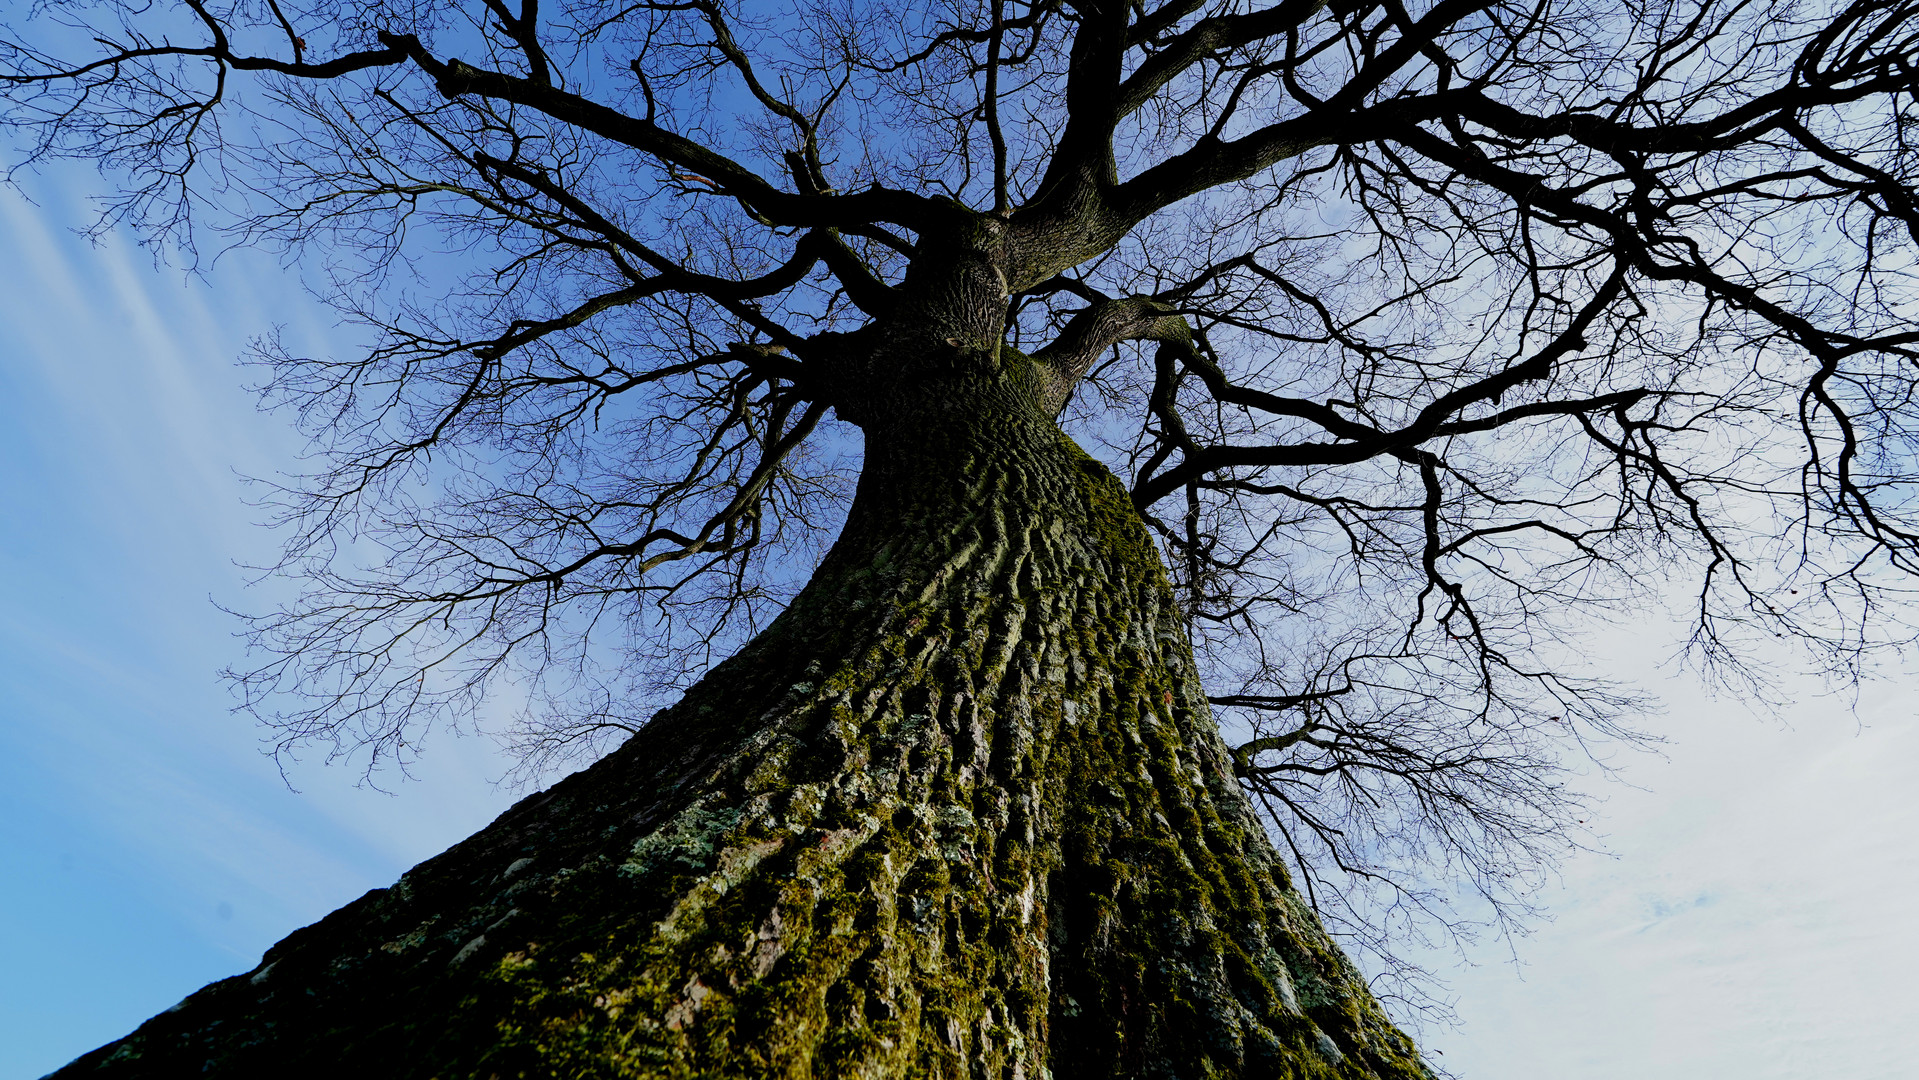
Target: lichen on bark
961, 811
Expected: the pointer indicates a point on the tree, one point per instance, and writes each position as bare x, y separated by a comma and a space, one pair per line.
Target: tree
1415, 334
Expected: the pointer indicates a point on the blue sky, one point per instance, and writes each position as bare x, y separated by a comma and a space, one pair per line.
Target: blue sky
1752, 919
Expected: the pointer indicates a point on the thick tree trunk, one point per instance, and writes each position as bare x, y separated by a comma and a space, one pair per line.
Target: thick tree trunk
961, 811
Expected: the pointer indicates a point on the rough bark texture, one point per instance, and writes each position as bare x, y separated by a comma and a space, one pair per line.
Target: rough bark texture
961, 811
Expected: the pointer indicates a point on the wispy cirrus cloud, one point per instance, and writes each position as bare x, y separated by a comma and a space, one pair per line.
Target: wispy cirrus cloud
150, 846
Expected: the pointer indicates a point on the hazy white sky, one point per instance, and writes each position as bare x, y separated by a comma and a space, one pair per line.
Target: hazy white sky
1753, 922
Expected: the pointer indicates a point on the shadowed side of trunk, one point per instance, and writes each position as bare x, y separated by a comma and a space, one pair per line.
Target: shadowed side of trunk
960, 812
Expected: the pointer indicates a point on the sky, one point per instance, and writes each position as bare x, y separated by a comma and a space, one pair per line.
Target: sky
1749, 917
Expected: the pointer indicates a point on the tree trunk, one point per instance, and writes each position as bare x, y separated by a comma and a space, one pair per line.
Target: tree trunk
961, 811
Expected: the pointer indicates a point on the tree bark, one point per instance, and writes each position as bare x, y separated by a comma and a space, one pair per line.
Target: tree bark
961, 811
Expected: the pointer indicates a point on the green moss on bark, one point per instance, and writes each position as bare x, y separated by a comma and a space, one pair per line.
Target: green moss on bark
960, 812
